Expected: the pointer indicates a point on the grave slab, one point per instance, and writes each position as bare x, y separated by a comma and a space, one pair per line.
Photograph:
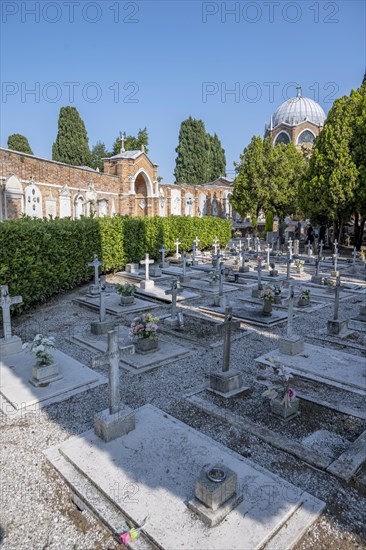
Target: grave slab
140, 275
158, 293
203, 285
330, 366
249, 314
351, 460
167, 352
18, 396
253, 276
171, 456
112, 303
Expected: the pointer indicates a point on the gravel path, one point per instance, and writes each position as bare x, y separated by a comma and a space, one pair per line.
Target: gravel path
36, 507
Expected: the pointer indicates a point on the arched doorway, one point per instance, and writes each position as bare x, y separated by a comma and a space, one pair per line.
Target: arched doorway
143, 190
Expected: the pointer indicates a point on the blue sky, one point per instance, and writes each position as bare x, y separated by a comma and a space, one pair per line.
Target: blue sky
154, 63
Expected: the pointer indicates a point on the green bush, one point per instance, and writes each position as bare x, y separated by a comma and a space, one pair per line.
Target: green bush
40, 258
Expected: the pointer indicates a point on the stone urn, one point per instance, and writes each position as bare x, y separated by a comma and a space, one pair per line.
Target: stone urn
277, 299
302, 302
267, 308
127, 300
146, 345
279, 409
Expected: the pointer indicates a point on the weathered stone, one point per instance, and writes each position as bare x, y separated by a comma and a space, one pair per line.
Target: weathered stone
292, 345
98, 327
226, 382
111, 426
214, 494
336, 328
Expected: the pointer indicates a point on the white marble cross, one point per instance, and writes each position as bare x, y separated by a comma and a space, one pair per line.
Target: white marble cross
290, 312
243, 257
146, 262
162, 250
216, 245
256, 241
102, 289
177, 243
112, 358
248, 241
174, 291
337, 296
194, 251
259, 273
335, 244
95, 263
196, 241
290, 247
5, 302
335, 261
309, 249
240, 245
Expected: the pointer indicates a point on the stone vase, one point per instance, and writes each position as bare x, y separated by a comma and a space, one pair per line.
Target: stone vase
278, 408
214, 283
300, 270
302, 302
127, 300
277, 299
267, 308
44, 374
146, 345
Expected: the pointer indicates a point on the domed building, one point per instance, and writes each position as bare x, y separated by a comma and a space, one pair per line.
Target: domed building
298, 120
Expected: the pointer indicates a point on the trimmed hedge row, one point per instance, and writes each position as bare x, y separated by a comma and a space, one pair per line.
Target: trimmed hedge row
40, 258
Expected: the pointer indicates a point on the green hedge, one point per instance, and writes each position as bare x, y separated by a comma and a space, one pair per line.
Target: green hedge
40, 258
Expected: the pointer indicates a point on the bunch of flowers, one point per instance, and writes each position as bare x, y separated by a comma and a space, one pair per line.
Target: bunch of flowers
213, 276
144, 326
39, 347
305, 295
276, 289
299, 263
329, 282
361, 255
259, 258
280, 376
267, 294
126, 289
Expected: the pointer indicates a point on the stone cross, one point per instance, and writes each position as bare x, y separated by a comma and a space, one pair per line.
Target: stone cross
335, 260
256, 241
259, 273
288, 271
290, 248
268, 250
194, 252
273, 243
196, 241
240, 245
221, 278
309, 249
321, 246
216, 245
5, 302
248, 241
184, 256
177, 243
146, 262
122, 139
317, 265
162, 250
335, 244
296, 247
336, 302
290, 312
95, 263
112, 358
174, 291
102, 289
243, 257
227, 327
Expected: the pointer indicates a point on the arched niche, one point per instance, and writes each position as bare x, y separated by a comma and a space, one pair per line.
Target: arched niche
202, 204
79, 206
142, 184
188, 204
176, 202
65, 202
162, 203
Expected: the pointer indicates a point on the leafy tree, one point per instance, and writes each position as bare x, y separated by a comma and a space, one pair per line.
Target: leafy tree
98, 152
133, 143
71, 145
269, 222
268, 179
201, 157
328, 189
17, 142
217, 158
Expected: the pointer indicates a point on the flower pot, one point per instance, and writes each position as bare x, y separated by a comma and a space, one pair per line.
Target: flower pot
277, 299
214, 283
146, 345
127, 300
278, 408
300, 270
302, 302
267, 308
42, 375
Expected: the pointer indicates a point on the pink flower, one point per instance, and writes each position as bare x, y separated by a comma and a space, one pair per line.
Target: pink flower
291, 393
124, 537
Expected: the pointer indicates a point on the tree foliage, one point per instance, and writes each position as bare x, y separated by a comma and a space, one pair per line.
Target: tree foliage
98, 152
17, 142
133, 143
200, 156
267, 179
71, 145
334, 188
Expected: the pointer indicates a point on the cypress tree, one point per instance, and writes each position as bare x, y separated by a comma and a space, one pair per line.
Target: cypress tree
191, 164
17, 142
217, 159
71, 145
97, 153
